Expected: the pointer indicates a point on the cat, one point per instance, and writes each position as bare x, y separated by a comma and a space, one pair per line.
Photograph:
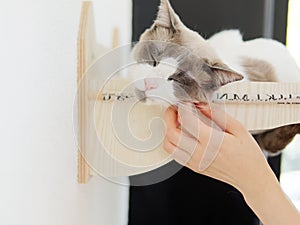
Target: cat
204, 65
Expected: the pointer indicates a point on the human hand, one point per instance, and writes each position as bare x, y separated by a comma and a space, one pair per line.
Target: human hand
226, 152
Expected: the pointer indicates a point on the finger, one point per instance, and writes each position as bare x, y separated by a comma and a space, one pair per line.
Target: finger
212, 149
177, 153
191, 124
171, 118
168, 146
175, 135
183, 141
199, 160
221, 118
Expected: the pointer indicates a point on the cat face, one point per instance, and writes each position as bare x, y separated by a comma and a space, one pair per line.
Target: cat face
195, 80
200, 72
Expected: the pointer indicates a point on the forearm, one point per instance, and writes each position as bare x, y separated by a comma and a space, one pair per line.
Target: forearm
270, 204
239, 161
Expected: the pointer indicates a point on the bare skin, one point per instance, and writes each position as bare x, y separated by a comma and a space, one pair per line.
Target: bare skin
238, 162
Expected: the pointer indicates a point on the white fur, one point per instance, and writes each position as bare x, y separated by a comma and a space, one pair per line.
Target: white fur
159, 75
230, 47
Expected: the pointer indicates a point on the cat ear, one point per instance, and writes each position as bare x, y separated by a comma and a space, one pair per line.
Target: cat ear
166, 16
225, 75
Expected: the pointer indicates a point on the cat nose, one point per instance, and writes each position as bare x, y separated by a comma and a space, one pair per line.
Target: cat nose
150, 83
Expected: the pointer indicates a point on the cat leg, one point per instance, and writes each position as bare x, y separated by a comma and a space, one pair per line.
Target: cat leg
277, 139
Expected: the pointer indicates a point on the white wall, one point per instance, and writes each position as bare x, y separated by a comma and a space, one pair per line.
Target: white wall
38, 151
110, 14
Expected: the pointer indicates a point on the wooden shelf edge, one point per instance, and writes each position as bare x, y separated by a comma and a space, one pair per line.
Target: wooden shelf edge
83, 170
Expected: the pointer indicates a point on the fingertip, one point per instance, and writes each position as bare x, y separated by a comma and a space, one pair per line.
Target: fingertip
171, 110
225, 121
205, 110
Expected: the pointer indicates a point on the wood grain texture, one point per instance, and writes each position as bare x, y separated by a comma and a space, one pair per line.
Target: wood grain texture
258, 105
278, 104
121, 124
82, 64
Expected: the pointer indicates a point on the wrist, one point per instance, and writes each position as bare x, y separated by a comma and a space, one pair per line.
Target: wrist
263, 183
269, 202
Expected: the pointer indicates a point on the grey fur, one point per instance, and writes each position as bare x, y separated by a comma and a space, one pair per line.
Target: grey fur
200, 72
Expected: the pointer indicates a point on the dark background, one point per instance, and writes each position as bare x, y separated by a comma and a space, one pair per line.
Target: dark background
188, 198
211, 16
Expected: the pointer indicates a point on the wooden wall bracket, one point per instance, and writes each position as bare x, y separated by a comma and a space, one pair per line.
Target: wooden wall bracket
84, 60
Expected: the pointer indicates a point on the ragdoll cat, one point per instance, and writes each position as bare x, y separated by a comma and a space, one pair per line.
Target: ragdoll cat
203, 66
